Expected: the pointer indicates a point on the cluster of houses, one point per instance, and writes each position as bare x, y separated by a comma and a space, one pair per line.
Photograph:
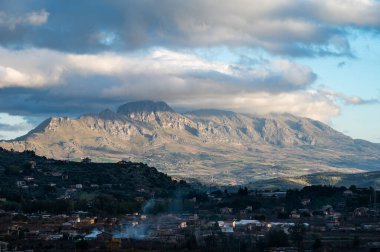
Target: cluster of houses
20, 230
170, 228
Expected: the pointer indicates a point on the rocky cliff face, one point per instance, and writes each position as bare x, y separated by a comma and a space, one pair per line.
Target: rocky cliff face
231, 147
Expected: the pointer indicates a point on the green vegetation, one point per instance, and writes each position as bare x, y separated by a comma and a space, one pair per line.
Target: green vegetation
31, 183
364, 179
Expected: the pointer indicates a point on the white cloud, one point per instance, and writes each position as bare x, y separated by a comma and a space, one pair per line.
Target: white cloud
309, 104
31, 68
13, 126
39, 67
349, 100
34, 18
352, 12
182, 79
9, 75
37, 17
16, 127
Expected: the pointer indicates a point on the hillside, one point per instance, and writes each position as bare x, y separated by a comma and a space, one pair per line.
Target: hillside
27, 178
222, 146
365, 179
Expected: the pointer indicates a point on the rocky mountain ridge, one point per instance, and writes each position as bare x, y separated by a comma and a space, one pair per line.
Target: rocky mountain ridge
206, 144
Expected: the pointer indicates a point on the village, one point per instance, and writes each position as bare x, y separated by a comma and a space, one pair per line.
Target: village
52, 205
224, 229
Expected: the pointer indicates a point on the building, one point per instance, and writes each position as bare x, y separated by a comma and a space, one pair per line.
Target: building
86, 160
3, 246
20, 183
122, 162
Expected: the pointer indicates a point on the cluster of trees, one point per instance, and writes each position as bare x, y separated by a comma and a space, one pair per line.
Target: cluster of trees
99, 205
324, 194
117, 185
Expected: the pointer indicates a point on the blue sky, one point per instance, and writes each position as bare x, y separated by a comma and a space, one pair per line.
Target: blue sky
316, 59
359, 76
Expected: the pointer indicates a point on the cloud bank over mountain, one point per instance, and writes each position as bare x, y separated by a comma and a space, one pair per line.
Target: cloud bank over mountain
66, 58
57, 79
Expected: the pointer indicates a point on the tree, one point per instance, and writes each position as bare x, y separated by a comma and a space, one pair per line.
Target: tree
211, 241
356, 242
283, 215
12, 170
297, 232
191, 242
82, 245
352, 188
277, 238
243, 192
317, 244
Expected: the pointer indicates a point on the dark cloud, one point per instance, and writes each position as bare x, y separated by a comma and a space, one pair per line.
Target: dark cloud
53, 101
298, 28
341, 64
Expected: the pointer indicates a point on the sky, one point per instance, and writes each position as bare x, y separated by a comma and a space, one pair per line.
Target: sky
317, 59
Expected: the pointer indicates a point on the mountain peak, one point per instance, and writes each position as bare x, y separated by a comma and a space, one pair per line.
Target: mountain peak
107, 114
144, 107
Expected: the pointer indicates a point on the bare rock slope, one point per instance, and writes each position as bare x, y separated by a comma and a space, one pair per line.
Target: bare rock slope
224, 146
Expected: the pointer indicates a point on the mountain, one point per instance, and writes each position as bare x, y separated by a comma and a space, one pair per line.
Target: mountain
221, 146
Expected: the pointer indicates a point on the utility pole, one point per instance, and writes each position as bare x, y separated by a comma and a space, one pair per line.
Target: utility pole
211, 183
